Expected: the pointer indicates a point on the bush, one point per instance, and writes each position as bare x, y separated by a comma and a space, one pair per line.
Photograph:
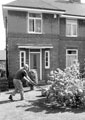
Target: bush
3, 84
66, 87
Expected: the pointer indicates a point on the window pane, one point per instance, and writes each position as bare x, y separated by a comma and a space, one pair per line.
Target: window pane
31, 25
38, 15
46, 56
34, 15
22, 59
68, 61
38, 25
71, 52
46, 63
31, 15
22, 54
68, 30
22, 64
35, 61
46, 59
74, 30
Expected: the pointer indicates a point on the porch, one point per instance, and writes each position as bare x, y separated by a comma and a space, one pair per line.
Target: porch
37, 57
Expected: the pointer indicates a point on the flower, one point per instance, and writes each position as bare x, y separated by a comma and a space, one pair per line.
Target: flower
66, 86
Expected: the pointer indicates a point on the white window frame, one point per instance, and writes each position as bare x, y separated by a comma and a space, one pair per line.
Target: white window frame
47, 66
72, 22
21, 57
71, 54
34, 18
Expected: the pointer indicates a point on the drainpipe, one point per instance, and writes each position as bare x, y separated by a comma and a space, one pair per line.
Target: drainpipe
6, 27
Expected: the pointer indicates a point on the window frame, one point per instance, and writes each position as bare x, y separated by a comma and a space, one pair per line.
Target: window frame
47, 66
34, 18
24, 52
72, 22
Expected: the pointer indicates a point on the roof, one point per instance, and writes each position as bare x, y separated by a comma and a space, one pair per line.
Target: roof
39, 4
75, 9
2, 55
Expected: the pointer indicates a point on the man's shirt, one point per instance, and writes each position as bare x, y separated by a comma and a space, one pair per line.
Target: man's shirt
20, 74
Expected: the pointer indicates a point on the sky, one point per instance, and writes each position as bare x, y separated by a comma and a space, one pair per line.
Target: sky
2, 29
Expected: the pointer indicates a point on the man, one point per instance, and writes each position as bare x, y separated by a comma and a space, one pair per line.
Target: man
21, 74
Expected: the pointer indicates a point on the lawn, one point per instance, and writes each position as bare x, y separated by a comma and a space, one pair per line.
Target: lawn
35, 107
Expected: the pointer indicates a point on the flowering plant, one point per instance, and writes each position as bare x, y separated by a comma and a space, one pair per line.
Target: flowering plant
66, 87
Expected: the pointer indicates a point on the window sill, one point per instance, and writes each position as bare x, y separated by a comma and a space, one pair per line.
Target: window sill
34, 32
47, 67
71, 36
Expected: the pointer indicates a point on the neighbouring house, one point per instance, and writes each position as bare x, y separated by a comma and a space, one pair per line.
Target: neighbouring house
3, 60
45, 34
3, 79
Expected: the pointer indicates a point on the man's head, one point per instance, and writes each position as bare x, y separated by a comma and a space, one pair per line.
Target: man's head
26, 67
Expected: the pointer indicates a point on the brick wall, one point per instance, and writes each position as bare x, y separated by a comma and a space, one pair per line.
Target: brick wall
69, 43
15, 39
18, 22
58, 52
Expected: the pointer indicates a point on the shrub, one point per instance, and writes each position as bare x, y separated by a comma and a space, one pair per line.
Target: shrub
66, 87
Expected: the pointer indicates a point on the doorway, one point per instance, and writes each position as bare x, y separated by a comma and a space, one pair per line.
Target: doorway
35, 62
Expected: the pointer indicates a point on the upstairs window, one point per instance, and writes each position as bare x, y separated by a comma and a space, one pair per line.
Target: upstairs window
47, 59
35, 23
71, 28
22, 58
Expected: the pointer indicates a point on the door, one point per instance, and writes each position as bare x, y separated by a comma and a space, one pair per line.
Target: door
35, 62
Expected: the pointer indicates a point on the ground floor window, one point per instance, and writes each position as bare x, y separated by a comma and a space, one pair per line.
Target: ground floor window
22, 58
47, 59
71, 55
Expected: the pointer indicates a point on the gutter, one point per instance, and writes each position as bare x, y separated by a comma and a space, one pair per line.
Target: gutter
32, 9
72, 16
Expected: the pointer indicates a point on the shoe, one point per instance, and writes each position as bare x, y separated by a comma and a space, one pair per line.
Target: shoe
22, 99
10, 97
31, 88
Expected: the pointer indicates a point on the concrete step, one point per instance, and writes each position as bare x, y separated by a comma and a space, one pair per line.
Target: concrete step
41, 82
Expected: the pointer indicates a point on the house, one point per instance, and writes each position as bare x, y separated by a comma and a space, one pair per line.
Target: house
45, 34
3, 79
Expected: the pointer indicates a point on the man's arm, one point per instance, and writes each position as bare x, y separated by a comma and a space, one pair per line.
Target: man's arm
27, 78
